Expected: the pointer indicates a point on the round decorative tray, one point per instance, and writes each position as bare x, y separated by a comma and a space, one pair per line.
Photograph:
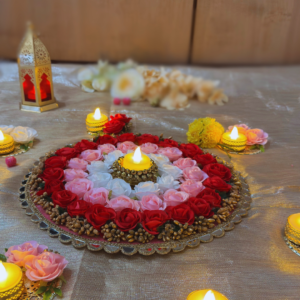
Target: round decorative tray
97, 243
19, 149
247, 151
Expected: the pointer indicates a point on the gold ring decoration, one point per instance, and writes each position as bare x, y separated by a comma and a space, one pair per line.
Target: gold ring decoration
67, 236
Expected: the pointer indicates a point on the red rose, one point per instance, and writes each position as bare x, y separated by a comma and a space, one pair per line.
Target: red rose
218, 170
113, 126
128, 218
51, 186
181, 213
200, 207
211, 197
106, 139
190, 150
217, 183
98, 215
52, 174
56, 162
153, 219
204, 159
147, 138
78, 208
63, 198
168, 143
126, 137
85, 145
121, 117
68, 152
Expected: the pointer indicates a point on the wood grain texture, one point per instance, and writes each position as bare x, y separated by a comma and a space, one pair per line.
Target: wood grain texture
246, 32
84, 30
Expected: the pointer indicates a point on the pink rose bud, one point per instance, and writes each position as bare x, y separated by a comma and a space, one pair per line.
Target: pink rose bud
117, 101
10, 161
126, 101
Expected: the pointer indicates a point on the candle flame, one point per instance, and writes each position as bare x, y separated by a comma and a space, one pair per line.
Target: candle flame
3, 272
97, 114
234, 133
137, 156
1, 136
209, 296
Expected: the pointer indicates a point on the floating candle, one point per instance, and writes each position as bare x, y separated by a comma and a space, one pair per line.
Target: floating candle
234, 140
136, 161
206, 295
95, 121
292, 228
7, 144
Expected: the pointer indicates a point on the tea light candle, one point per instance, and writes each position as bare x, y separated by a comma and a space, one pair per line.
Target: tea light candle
206, 295
292, 228
95, 121
235, 140
11, 281
136, 161
7, 144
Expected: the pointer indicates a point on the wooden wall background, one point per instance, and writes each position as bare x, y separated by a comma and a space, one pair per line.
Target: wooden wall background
158, 31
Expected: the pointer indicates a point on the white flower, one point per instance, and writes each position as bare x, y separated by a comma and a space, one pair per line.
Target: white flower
111, 157
159, 159
100, 179
23, 135
127, 64
128, 84
146, 188
86, 85
119, 187
174, 171
166, 182
85, 74
100, 84
7, 129
98, 167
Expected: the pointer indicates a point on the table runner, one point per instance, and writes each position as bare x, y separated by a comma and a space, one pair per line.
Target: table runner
252, 262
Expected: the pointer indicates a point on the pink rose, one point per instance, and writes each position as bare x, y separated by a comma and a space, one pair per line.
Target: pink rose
96, 196
152, 202
121, 202
17, 254
183, 163
192, 187
256, 137
172, 153
79, 186
71, 174
173, 197
242, 128
194, 173
77, 163
149, 148
106, 148
126, 146
46, 267
91, 155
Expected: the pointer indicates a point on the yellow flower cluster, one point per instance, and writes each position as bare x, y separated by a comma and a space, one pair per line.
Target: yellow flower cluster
205, 132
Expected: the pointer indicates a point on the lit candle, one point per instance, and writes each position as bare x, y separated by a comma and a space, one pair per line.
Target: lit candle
292, 228
136, 161
7, 144
206, 295
234, 140
11, 281
95, 121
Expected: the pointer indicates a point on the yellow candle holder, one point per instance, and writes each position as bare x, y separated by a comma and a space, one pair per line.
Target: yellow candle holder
206, 294
95, 121
12, 287
7, 144
292, 228
238, 144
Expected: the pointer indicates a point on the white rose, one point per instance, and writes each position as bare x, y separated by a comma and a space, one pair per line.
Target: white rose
100, 179
166, 182
98, 167
174, 171
7, 129
111, 157
23, 135
100, 84
119, 187
159, 159
146, 188
85, 74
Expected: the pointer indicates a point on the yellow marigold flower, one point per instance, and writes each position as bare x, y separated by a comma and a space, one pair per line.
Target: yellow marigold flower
205, 132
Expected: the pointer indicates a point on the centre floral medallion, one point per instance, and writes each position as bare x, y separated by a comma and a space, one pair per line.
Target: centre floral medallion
87, 195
